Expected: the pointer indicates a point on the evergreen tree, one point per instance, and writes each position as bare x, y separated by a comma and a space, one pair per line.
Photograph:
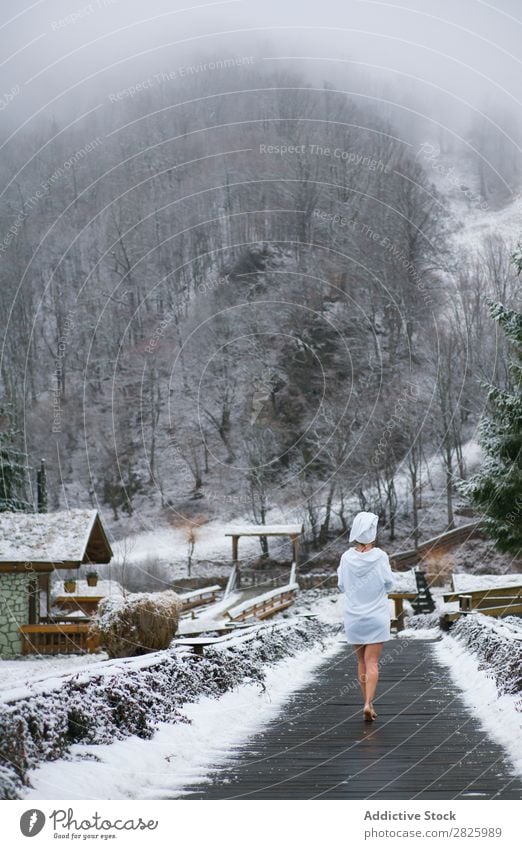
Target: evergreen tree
496, 490
13, 468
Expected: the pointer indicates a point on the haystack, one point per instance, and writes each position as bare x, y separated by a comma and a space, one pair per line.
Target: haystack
143, 622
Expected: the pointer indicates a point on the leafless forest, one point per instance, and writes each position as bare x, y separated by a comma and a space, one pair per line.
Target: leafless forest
237, 290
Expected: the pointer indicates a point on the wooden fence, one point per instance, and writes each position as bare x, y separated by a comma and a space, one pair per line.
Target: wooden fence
70, 638
494, 601
199, 597
265, 605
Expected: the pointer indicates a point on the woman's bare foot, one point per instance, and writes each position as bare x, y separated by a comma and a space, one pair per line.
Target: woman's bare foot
368, 713
375, 714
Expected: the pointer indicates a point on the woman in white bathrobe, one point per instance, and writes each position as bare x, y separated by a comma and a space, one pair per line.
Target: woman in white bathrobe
365, 577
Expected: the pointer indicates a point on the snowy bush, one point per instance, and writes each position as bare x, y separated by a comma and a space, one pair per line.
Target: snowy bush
9, 783
497, 645
141, 623
106, 704
423, 620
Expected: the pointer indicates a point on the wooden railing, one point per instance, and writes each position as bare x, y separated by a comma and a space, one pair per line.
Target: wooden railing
197, 598
265, 605
60, 638
494, 601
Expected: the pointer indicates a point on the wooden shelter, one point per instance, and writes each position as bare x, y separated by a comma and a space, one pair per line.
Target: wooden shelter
32, 547
292, 531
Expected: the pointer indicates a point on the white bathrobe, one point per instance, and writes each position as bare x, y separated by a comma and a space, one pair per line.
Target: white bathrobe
365, 578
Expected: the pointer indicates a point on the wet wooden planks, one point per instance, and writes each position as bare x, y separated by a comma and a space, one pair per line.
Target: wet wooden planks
425, 743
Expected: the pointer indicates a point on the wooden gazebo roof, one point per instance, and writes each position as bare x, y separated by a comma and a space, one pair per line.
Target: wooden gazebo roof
264, 530
293, 531
41, 542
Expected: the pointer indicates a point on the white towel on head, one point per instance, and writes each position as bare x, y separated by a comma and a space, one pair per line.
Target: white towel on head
364, 528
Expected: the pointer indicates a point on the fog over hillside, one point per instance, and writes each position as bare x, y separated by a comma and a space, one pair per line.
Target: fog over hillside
246, 252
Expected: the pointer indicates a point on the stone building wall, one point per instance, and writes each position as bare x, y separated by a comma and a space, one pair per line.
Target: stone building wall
14, 611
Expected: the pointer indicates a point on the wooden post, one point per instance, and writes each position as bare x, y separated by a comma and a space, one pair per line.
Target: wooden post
295, 547
465, 602
235, 559
399, 614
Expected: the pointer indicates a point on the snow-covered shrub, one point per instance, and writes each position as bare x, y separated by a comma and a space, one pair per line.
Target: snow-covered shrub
497, 645
423, 620
9, 783
140, 623
102, 705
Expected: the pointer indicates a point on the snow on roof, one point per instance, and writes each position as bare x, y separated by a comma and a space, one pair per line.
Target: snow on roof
260, 530
45, 537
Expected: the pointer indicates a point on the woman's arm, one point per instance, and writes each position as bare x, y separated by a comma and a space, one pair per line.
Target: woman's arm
340, 577
387, 574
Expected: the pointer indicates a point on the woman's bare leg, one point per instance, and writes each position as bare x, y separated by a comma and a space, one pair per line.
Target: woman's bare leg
372, 653
361, 669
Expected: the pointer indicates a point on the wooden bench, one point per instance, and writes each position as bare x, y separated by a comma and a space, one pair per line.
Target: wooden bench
398, 602
198, 644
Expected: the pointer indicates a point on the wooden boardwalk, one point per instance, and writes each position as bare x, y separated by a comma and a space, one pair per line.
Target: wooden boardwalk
424, 745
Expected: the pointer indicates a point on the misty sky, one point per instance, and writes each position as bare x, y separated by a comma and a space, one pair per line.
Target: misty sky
62, 57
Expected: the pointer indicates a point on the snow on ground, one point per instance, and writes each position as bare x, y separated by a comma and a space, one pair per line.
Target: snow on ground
479, 556
483, 223
326, 605
464, 582
497, 713
28, 670
419, 634
169, 545
473, 219
179, 755
213, 550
